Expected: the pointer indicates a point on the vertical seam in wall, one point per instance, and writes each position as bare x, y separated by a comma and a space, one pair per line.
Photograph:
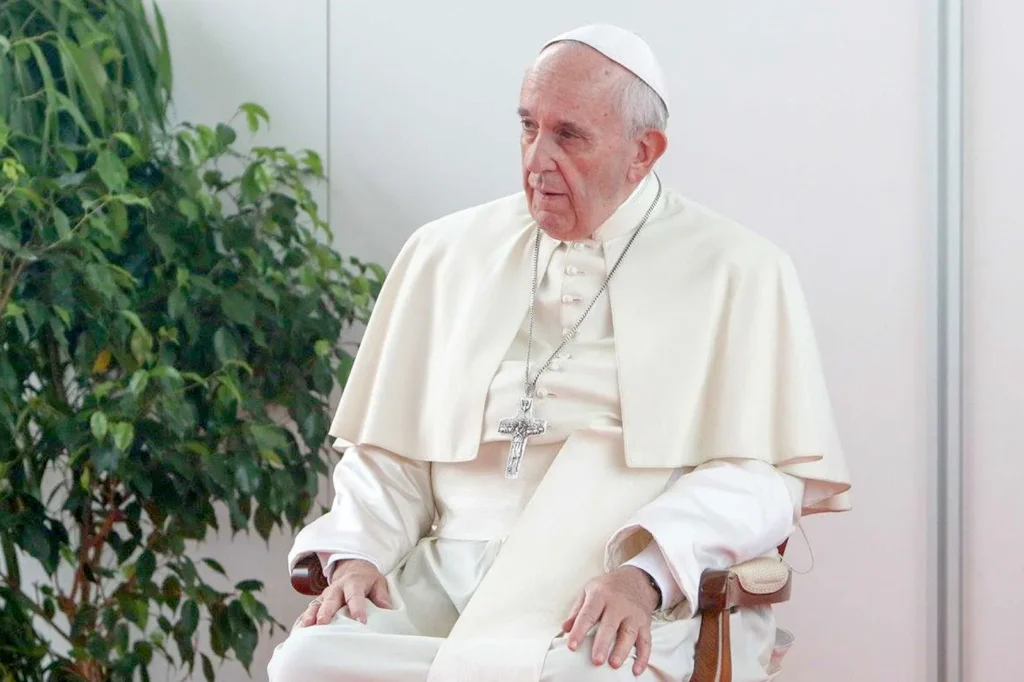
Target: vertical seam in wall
948, 531
327, 88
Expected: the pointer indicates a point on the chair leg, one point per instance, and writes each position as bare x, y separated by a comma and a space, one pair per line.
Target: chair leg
713, 660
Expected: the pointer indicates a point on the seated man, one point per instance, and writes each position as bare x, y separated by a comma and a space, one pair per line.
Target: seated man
569, 403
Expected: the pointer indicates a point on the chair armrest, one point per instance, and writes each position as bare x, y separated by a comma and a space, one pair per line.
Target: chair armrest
759, 582
308, 576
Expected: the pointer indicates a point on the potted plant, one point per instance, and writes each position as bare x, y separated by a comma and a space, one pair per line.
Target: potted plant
170, 309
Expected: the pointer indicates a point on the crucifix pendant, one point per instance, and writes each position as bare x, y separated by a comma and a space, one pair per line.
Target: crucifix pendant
520, 427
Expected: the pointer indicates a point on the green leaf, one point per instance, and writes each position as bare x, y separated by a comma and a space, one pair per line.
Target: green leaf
189, 617
166, 372
139, 382
145, 566
313, 160
61, 222
98, 425
322, 348
272, 459
141, 345
208, 673
189, 209
5, 45
112, 172
124, 434
91, 77
238, 307
253, 114
215, 565
130, 141
177, 304
249, 586
225, 346
264, 522
226, 135
247, 477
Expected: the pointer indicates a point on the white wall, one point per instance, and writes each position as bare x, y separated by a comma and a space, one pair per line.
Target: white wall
802, 118
994, 388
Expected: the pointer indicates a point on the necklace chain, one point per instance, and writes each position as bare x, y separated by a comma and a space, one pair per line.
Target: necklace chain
529, 385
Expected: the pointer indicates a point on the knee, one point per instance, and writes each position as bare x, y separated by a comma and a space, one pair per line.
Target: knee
563, 665
293, 661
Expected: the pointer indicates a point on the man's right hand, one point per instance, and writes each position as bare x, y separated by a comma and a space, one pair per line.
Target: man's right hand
353, 582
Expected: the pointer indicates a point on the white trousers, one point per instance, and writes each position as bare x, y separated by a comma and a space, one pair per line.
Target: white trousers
429, 590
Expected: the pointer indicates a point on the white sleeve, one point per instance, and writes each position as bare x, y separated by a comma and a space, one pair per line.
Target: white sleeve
722, 513
383, 504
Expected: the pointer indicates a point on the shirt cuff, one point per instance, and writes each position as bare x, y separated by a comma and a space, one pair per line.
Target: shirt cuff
652, 562
329, 561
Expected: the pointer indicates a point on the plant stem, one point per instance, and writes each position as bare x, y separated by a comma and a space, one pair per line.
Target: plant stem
9, 291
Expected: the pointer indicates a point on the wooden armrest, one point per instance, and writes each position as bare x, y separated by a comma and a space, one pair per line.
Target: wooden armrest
308, 576
759, 582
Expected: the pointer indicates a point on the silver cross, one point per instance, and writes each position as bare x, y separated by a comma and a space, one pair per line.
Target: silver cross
521, 428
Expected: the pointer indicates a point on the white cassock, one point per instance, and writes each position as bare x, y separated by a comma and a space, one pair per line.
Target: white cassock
688, 429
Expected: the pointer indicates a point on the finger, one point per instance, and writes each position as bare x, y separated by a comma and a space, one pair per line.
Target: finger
643, 650
331, 601
605, 637
356, 599
624, 644
573, 612
308, 617
379, 594
588, 616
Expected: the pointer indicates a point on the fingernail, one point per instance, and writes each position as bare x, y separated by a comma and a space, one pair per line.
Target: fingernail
572, 644
616, 662
599, 660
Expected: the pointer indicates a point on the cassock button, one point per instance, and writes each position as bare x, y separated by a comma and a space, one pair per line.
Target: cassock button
565, 355
555, 367
572, 271
565, 331
543, 393
579, 246
568, 298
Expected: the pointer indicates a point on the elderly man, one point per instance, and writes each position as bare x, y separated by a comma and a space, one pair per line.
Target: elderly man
568, 404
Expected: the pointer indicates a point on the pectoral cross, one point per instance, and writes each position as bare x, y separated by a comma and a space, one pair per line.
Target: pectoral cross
520, 427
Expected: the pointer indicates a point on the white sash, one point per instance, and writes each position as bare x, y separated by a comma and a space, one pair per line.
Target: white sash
556, 546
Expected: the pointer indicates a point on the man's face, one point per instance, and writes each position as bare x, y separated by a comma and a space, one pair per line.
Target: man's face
577, 159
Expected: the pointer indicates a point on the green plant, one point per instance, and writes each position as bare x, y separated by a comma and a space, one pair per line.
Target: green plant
169, 317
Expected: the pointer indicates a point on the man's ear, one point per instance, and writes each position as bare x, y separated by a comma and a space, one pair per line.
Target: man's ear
649, 148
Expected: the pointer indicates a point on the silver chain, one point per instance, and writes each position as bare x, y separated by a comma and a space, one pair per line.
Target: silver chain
531, 385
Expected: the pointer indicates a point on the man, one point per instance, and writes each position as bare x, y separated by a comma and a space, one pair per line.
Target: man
569, 403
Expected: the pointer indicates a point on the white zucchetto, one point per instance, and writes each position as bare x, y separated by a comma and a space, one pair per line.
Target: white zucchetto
623, 47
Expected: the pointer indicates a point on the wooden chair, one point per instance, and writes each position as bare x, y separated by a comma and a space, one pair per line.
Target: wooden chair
760, 582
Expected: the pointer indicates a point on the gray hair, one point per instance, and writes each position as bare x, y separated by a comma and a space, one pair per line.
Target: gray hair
642, 108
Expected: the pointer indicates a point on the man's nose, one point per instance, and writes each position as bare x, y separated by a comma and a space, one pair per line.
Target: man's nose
538, 157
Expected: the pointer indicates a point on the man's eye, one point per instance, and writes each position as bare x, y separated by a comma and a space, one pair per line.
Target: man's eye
528, 125
566, 135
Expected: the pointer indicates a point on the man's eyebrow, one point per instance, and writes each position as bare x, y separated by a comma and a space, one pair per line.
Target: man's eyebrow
567, 126
572, 128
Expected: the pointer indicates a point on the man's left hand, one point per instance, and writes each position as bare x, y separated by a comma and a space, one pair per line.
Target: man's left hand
620, 603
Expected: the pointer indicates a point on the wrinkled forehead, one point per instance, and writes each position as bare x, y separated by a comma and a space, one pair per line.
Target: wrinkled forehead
573, 76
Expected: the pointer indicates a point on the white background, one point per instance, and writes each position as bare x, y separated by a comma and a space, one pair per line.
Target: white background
807, 120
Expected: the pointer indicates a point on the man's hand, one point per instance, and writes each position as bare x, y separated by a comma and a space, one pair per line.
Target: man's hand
621, 604
352, 583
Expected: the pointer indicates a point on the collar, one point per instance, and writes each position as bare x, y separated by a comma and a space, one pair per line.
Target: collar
627, 216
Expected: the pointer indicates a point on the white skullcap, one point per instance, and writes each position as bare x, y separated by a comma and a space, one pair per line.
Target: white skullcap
625, 48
